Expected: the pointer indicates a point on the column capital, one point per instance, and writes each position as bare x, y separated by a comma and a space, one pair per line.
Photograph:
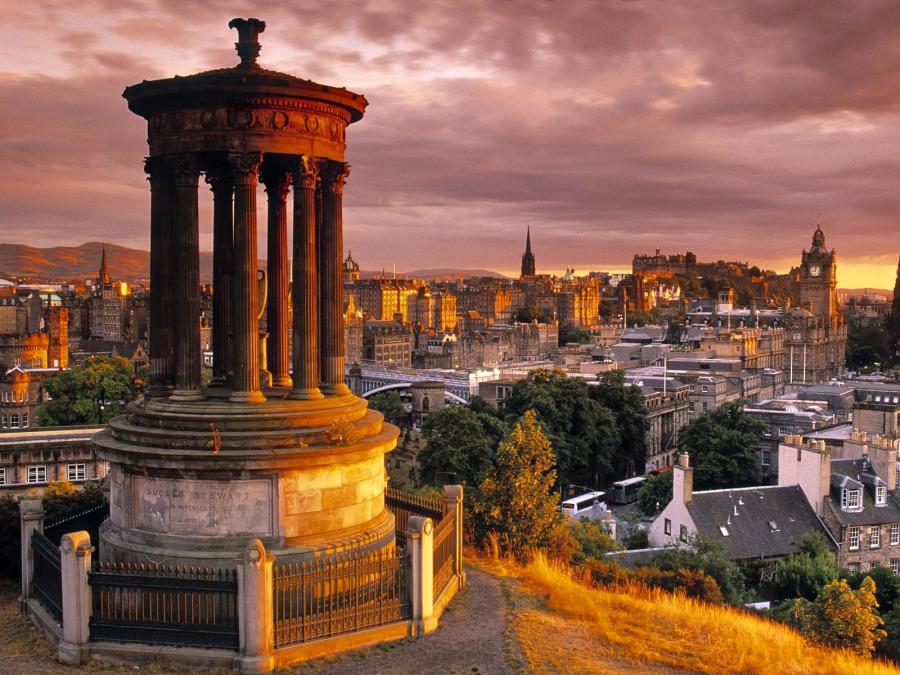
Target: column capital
306, 173
245, 167
156, 170
277, 183
219, 180
185, 169
334, 175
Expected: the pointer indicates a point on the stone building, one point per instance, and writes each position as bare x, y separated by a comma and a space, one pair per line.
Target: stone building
666, 401
32, 459
351, 269
433, 310
107, 307
387, 343
782, 418
386, 299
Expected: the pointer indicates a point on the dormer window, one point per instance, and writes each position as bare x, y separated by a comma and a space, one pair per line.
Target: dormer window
880, 495
850, 499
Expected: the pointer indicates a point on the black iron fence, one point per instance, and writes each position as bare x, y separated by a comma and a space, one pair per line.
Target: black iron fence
322, 598
88, 520
46, 584
156, 604
404, 505
444, 545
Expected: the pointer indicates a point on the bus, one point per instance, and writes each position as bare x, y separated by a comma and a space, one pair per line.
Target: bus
625, 491
578, 505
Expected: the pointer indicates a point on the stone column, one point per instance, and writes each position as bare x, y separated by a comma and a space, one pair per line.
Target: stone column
331, 288
257, 625
453, 502
245, 298
305, 284
277, 184
420, 543
186, 281
31, 518
162, 363
223, 266
75, 563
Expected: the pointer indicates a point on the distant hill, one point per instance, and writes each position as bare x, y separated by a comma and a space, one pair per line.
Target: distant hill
82, 262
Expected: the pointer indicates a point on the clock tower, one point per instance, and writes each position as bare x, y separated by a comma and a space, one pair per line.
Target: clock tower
817, 284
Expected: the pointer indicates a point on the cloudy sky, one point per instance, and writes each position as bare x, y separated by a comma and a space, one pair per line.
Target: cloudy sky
609, 127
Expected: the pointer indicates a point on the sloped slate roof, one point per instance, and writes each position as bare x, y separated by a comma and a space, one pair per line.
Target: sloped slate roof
750, 534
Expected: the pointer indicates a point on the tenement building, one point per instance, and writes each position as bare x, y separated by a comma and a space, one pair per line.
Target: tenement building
31, 460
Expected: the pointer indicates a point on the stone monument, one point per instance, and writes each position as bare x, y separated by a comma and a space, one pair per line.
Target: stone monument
298, 462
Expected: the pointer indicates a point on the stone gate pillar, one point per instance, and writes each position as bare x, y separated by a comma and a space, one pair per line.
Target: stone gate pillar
331, 289
245, 301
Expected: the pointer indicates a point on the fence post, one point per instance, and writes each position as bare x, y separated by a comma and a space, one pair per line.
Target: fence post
420, 544
257, 623
75, 563
453, 501
31, 518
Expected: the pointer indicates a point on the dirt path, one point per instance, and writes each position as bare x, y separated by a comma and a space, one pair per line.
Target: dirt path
470, 639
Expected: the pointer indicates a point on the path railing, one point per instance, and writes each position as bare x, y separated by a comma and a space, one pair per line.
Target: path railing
47, 580
443, 553
156, 604
403, 505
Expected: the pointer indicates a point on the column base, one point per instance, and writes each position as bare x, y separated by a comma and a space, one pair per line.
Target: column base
336, 389
187, 395
247, 397
158, 391
306, 394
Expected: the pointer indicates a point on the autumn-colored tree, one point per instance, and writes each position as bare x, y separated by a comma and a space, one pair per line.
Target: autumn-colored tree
841, 617
516, 499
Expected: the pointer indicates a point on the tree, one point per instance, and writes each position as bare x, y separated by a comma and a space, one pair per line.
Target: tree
583, 433
841, 617
722, 447
516, 499
803, 574
709, 558
593, 539
92, 393
389, 404
580, 335
655, 493
459, 440
627, 406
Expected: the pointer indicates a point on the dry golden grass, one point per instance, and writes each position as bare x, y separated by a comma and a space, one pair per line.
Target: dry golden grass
578, 628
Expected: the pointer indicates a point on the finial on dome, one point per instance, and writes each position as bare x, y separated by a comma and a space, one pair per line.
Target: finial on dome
247, 45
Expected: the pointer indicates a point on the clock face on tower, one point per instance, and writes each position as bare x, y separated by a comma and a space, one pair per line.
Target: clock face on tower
814, 270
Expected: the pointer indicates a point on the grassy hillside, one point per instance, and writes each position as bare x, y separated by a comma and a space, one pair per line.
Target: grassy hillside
564, 625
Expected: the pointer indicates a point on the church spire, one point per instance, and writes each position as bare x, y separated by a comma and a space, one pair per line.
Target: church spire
528, 257
103, 275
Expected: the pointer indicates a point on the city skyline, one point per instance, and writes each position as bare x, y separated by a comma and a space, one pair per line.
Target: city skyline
650, 129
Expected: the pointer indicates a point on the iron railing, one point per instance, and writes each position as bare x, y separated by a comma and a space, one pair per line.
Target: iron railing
444, 544
89, 520
157, 604
404, 505
322, 598
46, 584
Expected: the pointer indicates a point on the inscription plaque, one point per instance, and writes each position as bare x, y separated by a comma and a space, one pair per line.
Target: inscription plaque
203, 507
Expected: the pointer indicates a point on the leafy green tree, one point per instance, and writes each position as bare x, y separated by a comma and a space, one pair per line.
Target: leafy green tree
655, 493
722, 447
92, 393
593, 539
516, 499
459, 440
709, 558
627, 406
583, 433
389, 404
841, 617
803, 574
868, 344
580, 335
636, 539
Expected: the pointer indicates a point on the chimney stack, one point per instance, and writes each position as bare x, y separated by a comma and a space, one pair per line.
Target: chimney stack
683, 479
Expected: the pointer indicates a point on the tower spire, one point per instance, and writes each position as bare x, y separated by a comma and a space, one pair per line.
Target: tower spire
103, 276
528, 257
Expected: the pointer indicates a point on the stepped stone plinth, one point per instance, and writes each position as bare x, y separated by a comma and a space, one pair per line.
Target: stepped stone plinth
198, 471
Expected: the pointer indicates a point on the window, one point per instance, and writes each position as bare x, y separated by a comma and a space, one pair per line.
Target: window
782, 432
3, 476
75, 471
880, 495
850, 499
667, 526
13, 421
704, 389
24, 420
683, 533
766, 458
705, 406
37, 474
895, 534
3, 422
895, 565
853, 538
691, 406
853, 567
875, 536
